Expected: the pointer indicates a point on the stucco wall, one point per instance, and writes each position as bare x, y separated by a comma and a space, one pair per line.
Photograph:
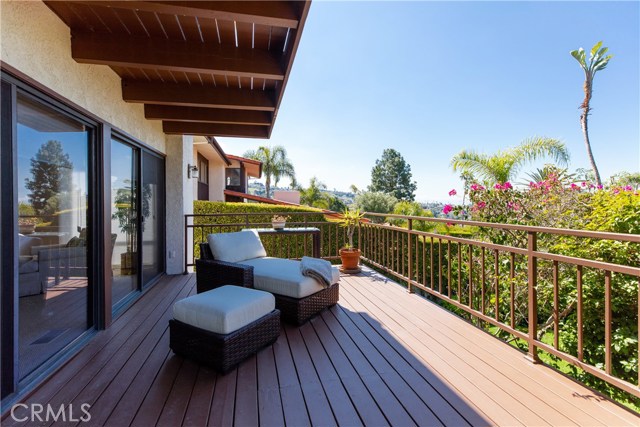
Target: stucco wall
36, 42
180, 197
216, 179
216, 170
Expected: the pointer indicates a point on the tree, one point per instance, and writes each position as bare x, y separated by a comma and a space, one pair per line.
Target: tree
51, 175
275, 164
315, 195
597, 61
504, 165
548, 172
392, 175
375, 201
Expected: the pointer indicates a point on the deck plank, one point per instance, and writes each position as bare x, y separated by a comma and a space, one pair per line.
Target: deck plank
380, 357
320, 411
445, 360
201, 397
454, 332
269, 401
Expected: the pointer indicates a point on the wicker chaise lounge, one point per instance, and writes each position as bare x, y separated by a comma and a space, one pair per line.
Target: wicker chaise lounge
264, 273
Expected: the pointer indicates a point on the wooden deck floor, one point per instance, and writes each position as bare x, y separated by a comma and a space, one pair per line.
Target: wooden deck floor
381, 357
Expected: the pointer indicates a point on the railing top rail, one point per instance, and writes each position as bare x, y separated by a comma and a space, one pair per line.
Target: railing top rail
549, 230
260, 213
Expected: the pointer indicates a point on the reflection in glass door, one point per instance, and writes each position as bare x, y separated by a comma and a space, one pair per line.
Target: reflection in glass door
152, 217
124, 221
53, 198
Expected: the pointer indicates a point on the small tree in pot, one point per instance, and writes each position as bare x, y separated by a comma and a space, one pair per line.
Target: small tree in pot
350, 255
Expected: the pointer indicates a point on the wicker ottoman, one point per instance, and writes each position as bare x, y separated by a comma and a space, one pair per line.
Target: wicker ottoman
222, 327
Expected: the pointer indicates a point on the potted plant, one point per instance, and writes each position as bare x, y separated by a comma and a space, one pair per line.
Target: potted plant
279, 221
350, 255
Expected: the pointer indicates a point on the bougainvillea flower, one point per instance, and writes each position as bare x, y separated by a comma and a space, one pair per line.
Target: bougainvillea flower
447, 209
453, 192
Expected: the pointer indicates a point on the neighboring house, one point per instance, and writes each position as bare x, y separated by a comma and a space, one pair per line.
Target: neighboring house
211, 162
237, 176
106, 108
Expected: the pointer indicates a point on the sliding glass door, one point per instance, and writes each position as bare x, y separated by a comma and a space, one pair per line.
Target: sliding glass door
124, 221
137, 220
54, 283
153, 202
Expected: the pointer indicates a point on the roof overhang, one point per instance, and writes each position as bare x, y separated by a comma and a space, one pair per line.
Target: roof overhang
211, 68
251, 166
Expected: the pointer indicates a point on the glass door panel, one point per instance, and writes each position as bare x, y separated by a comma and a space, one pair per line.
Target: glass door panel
53, 193
124, 221
152, 217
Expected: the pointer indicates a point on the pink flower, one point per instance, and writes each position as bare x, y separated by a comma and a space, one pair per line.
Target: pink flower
584, 183
481, 205
453, 192
476, 187
616, 190
498, 187
600, 187
574, 187
628, 188
447, 209
507, 186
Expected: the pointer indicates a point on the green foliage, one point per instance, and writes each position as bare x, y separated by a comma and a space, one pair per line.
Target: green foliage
235, 220
51, 171
504, 165
275, 164
350, 221
623, 179
375, 201
315, 195
412, 209
392, 175
550, 203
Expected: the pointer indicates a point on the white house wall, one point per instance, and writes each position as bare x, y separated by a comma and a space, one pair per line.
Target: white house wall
38, 44
180, 197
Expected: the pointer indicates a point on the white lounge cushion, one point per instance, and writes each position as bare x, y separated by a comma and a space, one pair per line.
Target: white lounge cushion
224, 309
283, 277
235, 247
26, 244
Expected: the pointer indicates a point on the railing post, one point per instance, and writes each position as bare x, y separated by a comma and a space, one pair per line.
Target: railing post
186, 242
532, 269
360, 245
410, 263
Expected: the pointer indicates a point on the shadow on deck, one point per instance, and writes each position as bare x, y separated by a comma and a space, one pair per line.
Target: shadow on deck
380, 357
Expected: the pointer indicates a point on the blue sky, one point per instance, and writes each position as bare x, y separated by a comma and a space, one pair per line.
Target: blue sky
432, 78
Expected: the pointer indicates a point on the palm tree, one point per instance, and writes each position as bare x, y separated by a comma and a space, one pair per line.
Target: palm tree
275, 164
315, 195
504, 165
597, 61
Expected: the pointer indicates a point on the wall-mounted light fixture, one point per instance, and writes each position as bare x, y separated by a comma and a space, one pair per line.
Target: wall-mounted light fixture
192, 172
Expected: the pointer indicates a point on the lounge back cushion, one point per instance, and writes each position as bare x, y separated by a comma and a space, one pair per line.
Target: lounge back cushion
236, 247
283, 277
27, 244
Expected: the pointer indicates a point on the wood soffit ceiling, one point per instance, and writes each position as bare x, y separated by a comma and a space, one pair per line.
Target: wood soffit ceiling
212, 68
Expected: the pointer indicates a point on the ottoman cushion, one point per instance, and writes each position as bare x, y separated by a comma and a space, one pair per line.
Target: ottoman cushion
224, 309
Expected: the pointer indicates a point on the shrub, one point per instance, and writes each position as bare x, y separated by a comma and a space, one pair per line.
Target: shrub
373, 201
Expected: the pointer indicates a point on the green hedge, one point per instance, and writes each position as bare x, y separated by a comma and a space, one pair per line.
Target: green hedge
280, 246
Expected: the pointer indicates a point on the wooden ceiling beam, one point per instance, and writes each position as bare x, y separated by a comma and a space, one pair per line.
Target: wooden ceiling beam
272, 13
207, 115
197, 96
136, 52
214, 129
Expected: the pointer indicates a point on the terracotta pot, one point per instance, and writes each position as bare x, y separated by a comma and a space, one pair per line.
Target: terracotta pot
350, 258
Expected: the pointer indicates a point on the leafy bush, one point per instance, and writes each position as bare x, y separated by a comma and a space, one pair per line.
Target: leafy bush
411, 209
375, 201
